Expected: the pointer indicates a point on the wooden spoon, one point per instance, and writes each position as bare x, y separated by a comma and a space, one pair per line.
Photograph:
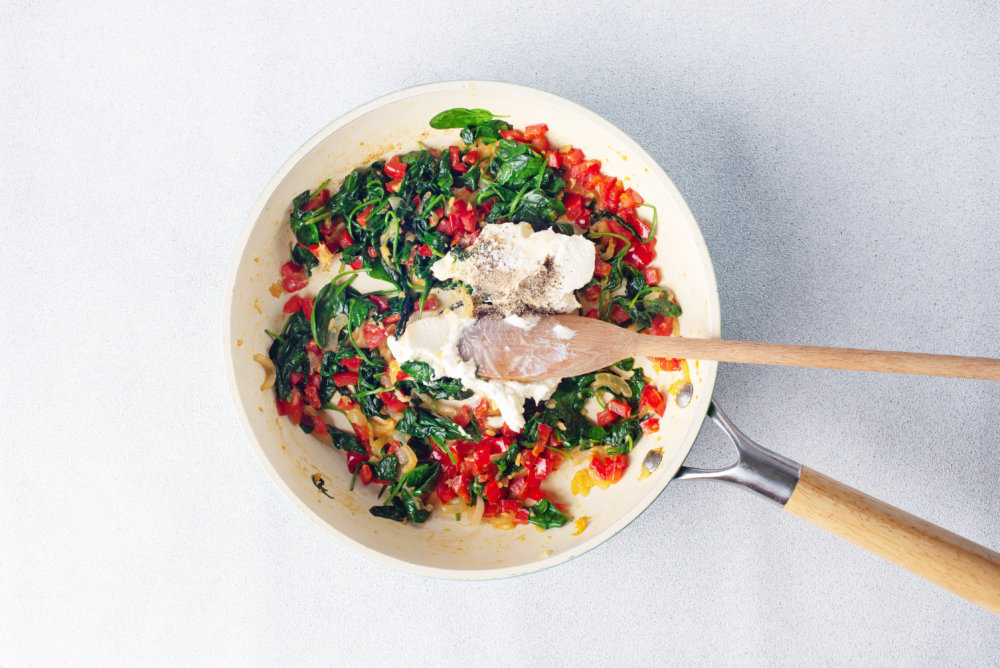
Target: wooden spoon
569, 345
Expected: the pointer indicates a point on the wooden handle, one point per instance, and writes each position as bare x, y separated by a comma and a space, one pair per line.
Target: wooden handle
946, 559
955, 366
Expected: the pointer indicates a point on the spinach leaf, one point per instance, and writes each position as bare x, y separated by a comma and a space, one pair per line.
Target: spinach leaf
332, 299
459, 118
424, 424
413, 508
396, 511
545, 515
507, 463
347, 442
303, 257
622, 435
469, 179
424, 381
386, 469
488, 132
288, 352
537, 208
421, 479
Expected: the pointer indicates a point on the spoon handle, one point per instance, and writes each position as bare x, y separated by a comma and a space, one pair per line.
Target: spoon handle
748, 352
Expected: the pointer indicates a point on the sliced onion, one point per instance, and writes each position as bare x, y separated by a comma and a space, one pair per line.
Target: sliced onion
382, 427
476, 516
407, 458
394, 202
610, 380
609, 248
269, 372
337, 323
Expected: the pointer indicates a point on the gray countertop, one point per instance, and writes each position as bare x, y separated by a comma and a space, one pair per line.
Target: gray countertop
843, 162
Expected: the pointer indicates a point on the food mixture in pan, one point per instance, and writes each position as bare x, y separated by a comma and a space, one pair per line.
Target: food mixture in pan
502, 225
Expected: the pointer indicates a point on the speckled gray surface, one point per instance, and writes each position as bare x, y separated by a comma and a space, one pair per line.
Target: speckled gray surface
842, 160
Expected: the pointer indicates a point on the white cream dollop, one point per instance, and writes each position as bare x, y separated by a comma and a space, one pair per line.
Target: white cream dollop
434, 341
519, 270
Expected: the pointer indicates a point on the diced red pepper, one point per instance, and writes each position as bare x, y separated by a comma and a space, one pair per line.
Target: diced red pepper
609, 468
345, 378
592, 313
654, 399
463, 417
351, 363
601, 268
319, 200
460, 485
482, 457
537, 130
312, 391
429, 305
631, 198
492, 491
618, 315
374, 334
605, 418
354, 460
295, 378
456, 160
395, 168
652, 275
361, 431
650, 425
444, 492
293, 277
391, 319
345, 240
381, 302
544, 433
355, 265
639, 255
471, 158
292, 407
570, 156
513, 135
583, 172
366, 474
521, 516
293, 304
423, 250
392, 401
576, 210
592, 292
519, 487
552, 159
619, 408
319, 427
662, 325
393, 186
365, 215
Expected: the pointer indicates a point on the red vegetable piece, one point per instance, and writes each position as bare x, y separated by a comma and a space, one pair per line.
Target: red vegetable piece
351, 363
354, 460
605, 418
492, 491
618, 315
456, 160
395, 168
345, 378
653, 398
381, 302
652, 275
319, 200
366, 474
619, 408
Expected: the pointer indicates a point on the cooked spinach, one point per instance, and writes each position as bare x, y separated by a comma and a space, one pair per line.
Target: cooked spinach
424, 381
545, 515
459, 118
424, 424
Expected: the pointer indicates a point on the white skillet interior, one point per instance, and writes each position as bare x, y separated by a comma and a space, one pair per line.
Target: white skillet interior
443, 547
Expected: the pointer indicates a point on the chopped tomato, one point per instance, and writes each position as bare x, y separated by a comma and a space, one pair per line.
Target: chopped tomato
610, 467
460, 485
492, 491
662, 325
605, 418
351, 363
592, 313
423, 250
429, 305
365, 215
374, 334
395, 168
639, 255
319, 427
471, 158
393, 186
521, 516
319, 200
444, 492
293, 277
345, 378
366, 474
650, 425
552, 159
570, 156
584, 171
312, 391
652, 398
354, 460
293, 304
295, 378
292, 407
345, 239
601, 268
392, 401
618, 315
537, 130
355, 265
619, 408
391, 319
592, 292
456, 160
630, 198
513, 135
652, 275
361, 431
576, 210
544, 433
463, 417
482, 457
381, 302
519, 487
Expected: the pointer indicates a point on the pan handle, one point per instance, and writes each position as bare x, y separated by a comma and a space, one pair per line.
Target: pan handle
946, 559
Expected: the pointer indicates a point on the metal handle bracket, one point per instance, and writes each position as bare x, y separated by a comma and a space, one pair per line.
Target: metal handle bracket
756, 468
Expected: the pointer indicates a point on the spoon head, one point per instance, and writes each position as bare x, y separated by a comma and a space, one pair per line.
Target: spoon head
553, 347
